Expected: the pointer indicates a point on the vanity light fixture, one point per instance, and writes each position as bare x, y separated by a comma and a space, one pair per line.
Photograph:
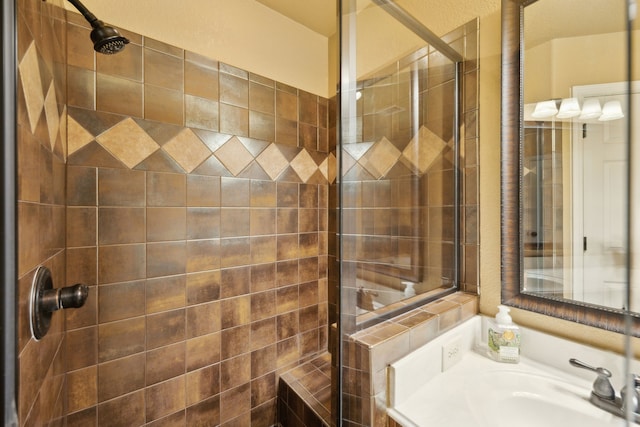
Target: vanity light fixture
569, 107
591, 109
544, 110
612, 110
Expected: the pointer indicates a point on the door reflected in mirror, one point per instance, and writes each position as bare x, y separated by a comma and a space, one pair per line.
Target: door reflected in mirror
574, 196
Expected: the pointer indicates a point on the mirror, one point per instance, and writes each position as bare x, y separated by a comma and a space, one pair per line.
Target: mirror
566, 92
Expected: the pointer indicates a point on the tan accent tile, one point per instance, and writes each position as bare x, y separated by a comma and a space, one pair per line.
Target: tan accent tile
380, 158
304, 165
234, 156
328, 168
77, 136
52, 115
128, 142
187, 149
32, 85
272, 161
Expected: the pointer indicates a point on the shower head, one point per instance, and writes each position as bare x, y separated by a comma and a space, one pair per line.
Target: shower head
105, 39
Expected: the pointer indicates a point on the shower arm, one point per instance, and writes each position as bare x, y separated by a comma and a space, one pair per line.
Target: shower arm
90, 17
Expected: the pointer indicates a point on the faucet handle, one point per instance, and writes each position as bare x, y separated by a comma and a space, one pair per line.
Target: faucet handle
601, 386
632, 398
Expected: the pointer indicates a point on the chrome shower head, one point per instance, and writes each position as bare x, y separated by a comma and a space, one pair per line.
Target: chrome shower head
105, 39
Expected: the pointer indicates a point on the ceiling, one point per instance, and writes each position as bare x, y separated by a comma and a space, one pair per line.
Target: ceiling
317, 15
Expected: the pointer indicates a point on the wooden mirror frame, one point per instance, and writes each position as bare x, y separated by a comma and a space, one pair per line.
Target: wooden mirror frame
511, 244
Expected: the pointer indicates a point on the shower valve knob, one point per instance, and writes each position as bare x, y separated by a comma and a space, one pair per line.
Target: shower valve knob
45, 300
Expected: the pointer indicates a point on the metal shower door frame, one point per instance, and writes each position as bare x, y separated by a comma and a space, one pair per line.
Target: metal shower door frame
8, 182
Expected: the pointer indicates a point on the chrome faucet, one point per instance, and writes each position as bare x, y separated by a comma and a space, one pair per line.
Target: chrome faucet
604, 396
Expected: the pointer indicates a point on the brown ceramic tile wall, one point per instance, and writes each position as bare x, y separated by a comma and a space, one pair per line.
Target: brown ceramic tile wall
41, 151
197, 211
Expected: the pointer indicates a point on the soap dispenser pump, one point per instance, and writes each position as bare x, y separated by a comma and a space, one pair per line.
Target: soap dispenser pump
504, 337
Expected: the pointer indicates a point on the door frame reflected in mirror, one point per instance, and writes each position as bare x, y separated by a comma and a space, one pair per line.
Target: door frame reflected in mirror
511, 246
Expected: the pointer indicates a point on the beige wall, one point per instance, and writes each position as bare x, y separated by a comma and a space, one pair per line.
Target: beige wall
242, 33
553, 67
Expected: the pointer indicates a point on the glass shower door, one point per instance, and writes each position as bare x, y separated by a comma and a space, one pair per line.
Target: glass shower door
397, 216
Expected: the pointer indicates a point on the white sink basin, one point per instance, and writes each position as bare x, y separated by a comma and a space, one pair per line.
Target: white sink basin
477, 391
529, 398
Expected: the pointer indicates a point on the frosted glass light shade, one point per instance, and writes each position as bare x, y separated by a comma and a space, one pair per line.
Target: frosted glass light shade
569, 108
590, 109
545, 109
612, 110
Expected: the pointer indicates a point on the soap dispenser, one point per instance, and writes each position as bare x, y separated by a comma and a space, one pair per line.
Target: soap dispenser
504, 337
